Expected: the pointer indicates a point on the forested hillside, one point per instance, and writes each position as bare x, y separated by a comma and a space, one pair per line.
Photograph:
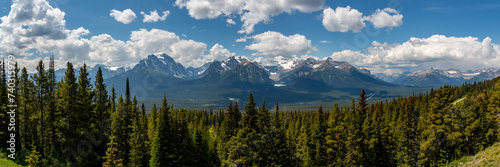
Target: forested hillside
73, 121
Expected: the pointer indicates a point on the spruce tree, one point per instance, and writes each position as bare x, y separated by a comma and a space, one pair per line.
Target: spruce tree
101, 115
41, 86
152, 124
280, 153
138, 141
319, 134
66, 96
336, 137
51, 109
25, 109
202, 152
162, 152
248, 143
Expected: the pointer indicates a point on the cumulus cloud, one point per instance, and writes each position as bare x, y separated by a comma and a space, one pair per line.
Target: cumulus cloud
251, 12
218, 52
188, 52
274, 44
345, 19
124, 17
34, 28
386, 18
230, 21
30, 22
417, 53
154, 16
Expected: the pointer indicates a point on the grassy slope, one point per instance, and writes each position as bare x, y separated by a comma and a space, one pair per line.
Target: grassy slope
7, 162
488, 157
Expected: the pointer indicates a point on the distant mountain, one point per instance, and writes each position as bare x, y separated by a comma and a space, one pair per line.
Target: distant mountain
162, 64
195, 72
485, 74
432, 77
107, 72
325, 74
390, 77
235, 70
438, 77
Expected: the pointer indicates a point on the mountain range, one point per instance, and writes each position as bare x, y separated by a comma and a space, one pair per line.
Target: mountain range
107, 72
438, 77
296, 81
235, 77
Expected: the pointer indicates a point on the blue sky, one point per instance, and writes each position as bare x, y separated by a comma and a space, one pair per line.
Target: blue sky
446, 33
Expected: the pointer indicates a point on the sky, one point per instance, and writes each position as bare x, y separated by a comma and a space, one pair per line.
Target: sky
389, 36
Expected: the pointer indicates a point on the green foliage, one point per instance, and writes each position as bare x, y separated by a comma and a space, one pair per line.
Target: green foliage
162, 153
112, 159
33, 159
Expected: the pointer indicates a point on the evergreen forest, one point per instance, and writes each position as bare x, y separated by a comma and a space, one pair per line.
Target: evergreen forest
74, 121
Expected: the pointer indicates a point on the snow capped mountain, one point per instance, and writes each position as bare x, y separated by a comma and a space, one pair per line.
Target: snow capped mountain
328, 73
438, 77
162, 63
484, 74
107, 72
235, 69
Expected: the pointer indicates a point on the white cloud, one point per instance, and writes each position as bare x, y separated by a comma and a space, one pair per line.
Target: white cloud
343, 19
30, 22
154, 16
218, 52
34, 27
417, 53
125, 17
251, 12
188, 52
273, 44
230, 21
325, 41
242, 39
386, 18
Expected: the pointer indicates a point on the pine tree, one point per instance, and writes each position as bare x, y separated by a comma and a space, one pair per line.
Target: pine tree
121, 124
248, 143
280, 153
336, 137
51, 109
319, 139
66, 96
138, 141
356, 139
113, 99
100, 115
112, 159
432, 148
152, 124
25, 108
202, 151
15, 91
41, 86
162, 152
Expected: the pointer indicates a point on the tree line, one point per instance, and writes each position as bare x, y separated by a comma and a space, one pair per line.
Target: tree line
76, 122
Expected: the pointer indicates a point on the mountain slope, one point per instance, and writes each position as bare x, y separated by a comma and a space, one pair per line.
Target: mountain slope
326, 74
233, 70
488, 157
162, 64
485, 75
429, 77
